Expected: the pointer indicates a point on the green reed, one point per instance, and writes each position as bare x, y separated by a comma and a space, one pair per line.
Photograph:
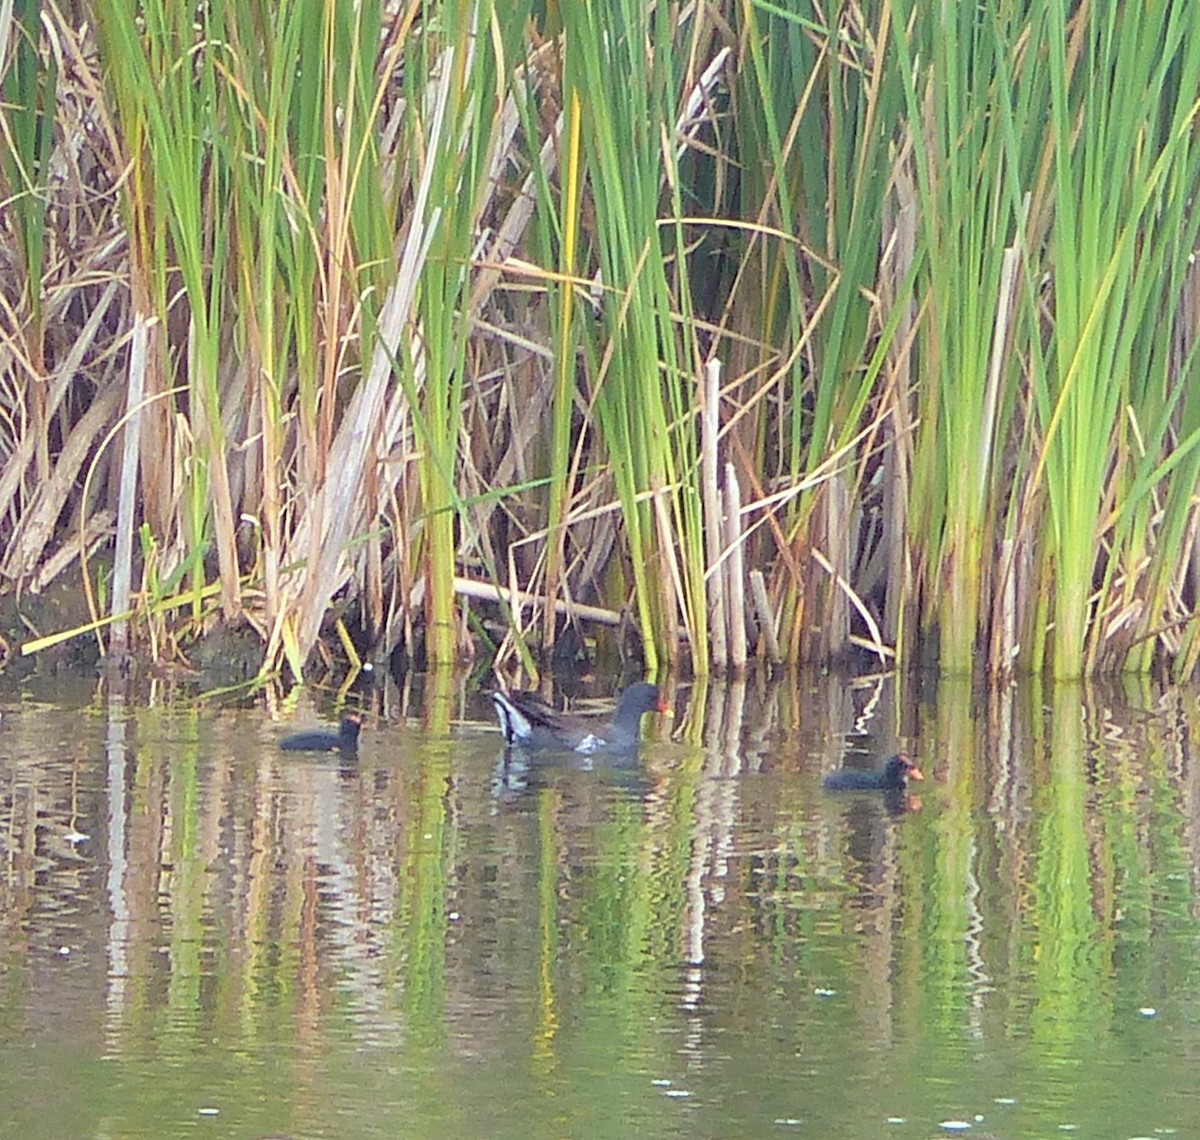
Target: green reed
275, 257
1123, 96
166, 93
473, 67
972, 169
815, 112
643, 374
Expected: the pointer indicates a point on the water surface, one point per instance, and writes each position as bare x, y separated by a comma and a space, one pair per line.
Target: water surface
200, 934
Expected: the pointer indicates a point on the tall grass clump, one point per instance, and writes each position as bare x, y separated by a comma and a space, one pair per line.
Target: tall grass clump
974, 169
1123, 101
1054, 250
816, 107
625, 76
271, 113
620, 452
467, 137
464, 323
167, 97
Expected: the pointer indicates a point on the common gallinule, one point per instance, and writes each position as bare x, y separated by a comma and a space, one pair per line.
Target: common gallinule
528, 721
892, 777
345, 740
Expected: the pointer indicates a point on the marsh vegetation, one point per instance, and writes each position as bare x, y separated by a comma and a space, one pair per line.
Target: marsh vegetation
756, 329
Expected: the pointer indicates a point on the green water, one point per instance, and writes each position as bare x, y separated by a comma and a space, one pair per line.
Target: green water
201, 935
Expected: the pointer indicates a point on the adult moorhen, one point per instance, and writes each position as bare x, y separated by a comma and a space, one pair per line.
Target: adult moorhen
528, 721
892, 777
345, 740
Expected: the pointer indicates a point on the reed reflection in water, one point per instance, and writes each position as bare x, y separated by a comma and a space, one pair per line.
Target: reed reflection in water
442, 937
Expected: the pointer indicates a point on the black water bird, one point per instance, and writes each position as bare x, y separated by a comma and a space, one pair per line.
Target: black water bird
526, 720
892, 777
344, 741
